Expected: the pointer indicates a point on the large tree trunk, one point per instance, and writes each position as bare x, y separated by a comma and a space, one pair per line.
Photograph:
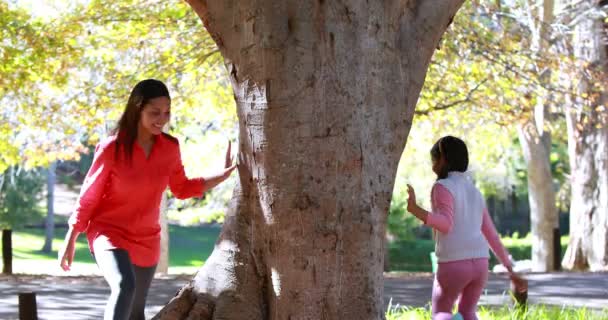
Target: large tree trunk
50, 209
325, 92
587, 120
536, 147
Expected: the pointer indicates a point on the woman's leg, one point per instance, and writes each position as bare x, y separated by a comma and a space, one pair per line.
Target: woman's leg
450, 280
117, 269
471, 293
143, 279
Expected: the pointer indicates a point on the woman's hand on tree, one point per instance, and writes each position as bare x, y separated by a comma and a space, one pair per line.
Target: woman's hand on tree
228, 164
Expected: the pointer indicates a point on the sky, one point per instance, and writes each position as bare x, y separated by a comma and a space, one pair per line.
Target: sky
45, 8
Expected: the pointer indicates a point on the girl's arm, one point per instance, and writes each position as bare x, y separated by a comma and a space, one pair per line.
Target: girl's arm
442, 202
489, 231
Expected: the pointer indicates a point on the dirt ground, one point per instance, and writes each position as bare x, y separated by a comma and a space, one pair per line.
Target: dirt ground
83, 297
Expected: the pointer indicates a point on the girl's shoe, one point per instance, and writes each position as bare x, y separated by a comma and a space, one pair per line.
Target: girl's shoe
457, 316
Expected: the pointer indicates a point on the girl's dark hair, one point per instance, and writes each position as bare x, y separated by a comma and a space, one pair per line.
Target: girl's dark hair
455, 153
126, 130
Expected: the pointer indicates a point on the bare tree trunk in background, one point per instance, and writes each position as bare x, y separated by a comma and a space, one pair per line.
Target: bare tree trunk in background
163, 263
50, 209
587, 120
536, 147
541, 194
325, 92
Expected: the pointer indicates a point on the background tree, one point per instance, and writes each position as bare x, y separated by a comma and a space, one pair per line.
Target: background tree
587, 119
20, 192
33, 73
49, 222
535, 139
496, 69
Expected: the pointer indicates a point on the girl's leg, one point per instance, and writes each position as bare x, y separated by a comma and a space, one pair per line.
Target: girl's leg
471, 293
118, 271
450, 280
143, 279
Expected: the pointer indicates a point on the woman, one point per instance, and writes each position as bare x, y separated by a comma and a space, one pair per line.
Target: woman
119, 203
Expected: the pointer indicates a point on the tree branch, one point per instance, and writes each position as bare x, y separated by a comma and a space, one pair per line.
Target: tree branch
439, 107
435, 12
200, 7
202, 10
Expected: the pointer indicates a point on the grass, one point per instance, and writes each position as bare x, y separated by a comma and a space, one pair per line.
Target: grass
413, 255
189, 247
535, 312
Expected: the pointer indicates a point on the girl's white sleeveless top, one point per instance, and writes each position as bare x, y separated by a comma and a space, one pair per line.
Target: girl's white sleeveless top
465, 240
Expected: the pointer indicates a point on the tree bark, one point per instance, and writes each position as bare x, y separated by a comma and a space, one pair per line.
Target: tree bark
50, 209
541, 194
325, 92
587, 120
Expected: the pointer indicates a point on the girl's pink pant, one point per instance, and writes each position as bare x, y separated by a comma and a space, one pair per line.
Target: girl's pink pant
463, 280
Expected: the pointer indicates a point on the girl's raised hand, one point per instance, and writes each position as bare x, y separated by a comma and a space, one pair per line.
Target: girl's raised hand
411, 199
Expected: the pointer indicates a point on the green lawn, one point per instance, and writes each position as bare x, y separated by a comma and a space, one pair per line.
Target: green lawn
189, 246
535, 312
414, 255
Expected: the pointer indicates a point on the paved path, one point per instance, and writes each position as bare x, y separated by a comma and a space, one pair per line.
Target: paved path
78, 298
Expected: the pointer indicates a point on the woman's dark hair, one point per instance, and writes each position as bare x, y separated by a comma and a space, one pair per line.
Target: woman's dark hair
126, 130
455, 153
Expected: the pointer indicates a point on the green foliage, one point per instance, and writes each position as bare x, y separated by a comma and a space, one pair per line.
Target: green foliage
34, 73
402, 225
20, 194
86, 68
487, 77
413, 255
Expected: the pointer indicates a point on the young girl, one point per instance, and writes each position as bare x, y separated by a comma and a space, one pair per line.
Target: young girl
119, 201
463, 231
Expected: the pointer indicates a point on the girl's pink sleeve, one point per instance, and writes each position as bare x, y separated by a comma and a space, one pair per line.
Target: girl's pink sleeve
181, 186
92, 188
442, 205
489, 231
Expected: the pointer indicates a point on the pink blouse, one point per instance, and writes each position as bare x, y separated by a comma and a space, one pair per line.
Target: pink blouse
119, 203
